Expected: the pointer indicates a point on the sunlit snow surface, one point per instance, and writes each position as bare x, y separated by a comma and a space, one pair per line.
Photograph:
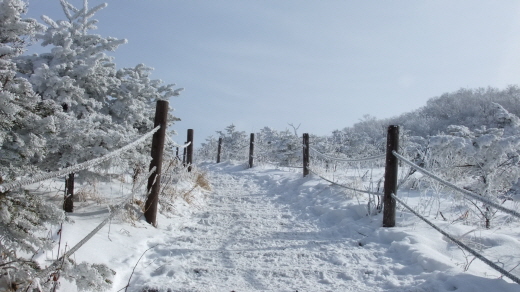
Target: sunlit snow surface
268, 229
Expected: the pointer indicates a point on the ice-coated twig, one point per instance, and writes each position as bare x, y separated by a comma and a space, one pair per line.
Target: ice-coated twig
133, 270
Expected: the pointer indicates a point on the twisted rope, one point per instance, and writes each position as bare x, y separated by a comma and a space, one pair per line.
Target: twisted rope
347, 160
462, 245
347, 187
75, 168
466, 192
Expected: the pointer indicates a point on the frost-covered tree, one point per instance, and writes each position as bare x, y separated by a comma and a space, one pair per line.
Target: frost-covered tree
208, 150
471, 108
25, 120
102, 108
78, 75
132, 104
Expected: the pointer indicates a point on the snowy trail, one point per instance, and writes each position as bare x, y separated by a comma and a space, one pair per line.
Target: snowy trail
266, 229
247, 239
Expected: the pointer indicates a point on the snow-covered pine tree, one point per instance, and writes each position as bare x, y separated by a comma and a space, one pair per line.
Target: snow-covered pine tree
25, 123
65, 117
104, 108
132, 104
25, 120
78, 75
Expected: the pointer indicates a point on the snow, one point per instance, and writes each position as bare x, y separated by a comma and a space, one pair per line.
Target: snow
270, 229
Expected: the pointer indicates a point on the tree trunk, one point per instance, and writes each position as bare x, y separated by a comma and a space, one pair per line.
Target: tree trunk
68, 204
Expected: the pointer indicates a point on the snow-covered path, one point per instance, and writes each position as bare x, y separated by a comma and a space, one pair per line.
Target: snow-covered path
266, 229
248, 239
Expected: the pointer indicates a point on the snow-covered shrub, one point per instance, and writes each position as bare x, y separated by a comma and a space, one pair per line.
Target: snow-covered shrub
235, 144
484, 161
177, 184
280, 147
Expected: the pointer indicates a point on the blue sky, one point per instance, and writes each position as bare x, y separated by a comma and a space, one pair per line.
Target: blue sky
322, 64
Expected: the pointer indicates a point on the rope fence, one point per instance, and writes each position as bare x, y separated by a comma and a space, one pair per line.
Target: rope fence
75, 168
391, 185
466, 192
175, 144
346, 187
461, 244
347, 160
390, 190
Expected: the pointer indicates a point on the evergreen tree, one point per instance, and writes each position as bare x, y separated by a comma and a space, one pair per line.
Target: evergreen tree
104, 108
25, 120
25, 123
78, 75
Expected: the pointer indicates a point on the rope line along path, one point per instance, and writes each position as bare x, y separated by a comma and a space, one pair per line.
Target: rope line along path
466, 192
346, 187
75, 168
462, 245
348, 160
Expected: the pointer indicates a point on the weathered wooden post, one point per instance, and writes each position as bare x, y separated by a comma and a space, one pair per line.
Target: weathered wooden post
391, 169
68, 203
219, 150
154, 182
251, 149
189, 150
306, 155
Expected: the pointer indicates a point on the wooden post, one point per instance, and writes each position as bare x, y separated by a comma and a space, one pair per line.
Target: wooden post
177, 153
189, 150
251, 149
305, 154
154, 182
391, 169
219, 149
68, 203
184, 155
